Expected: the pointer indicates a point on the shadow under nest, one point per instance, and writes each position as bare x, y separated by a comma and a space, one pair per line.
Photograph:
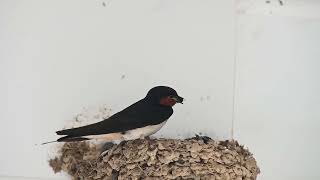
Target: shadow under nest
194, 158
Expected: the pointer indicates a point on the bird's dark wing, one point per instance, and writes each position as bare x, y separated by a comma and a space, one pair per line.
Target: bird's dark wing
137, 115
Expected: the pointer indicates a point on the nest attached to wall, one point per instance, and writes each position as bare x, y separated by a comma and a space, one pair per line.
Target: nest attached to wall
195, 158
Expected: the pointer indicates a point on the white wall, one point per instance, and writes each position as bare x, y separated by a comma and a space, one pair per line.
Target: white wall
60, 56
277, 90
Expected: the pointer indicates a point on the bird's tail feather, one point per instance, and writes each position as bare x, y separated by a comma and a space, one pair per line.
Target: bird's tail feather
49, 142
67, 139
71, 139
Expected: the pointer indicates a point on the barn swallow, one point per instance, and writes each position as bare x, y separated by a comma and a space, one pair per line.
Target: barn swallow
141, 119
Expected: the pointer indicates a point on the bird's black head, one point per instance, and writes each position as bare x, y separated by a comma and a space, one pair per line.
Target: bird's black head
163, 95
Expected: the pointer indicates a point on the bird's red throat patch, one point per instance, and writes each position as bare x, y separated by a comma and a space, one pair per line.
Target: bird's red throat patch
167, 101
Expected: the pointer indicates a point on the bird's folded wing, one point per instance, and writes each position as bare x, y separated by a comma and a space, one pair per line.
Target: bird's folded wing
135, 116
110, 125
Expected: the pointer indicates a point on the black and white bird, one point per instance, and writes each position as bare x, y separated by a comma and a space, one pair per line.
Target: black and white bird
141, 119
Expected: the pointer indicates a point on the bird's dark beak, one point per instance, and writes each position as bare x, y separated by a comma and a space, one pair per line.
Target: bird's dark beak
178, 99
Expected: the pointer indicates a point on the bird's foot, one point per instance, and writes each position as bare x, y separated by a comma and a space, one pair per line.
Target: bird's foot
122, 143
147, 138
107, 146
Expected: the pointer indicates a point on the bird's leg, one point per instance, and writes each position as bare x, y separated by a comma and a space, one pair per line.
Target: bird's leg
147, 138
106, 146
123, 143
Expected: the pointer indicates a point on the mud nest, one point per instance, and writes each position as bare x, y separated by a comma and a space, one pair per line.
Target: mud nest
195, 158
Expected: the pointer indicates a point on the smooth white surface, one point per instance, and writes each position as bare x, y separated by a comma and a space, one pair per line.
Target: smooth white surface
277, 92
60, 56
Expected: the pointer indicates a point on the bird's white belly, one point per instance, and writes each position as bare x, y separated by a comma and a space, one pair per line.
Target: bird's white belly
142, 132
